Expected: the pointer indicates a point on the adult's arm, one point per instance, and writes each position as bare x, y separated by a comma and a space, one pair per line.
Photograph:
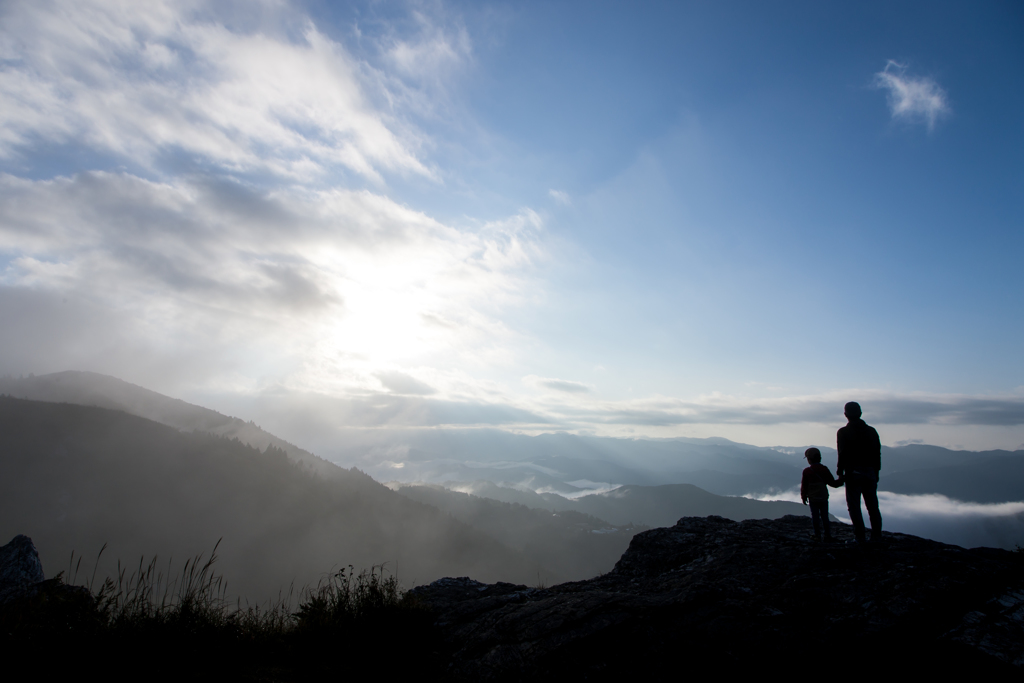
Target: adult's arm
876, 449
841, 447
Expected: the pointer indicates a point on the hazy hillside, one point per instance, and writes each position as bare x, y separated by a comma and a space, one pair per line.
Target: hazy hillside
645, 505
560, 463
664, 505
533, 470
572, 544
571, 536
75, 477
94, 389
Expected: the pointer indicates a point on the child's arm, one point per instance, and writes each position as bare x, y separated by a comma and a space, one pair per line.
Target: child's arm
803, 487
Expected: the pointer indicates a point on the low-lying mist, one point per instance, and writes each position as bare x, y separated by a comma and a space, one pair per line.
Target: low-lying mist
935, 516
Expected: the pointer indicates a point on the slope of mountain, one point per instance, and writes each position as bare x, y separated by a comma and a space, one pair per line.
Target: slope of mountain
546, 462
627, 505
103, 391
554, 462
533, 470
572, 544
76, 477
663, 505
571, 536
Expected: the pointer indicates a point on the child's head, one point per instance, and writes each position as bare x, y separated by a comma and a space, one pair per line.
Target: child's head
813, 455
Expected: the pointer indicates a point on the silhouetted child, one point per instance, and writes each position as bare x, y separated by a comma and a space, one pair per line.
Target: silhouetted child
814, 488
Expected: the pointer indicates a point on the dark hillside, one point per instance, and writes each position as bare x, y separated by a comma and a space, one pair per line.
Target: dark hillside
580, 538
103, 391
985, 479
572, 544
76, 477
662, 505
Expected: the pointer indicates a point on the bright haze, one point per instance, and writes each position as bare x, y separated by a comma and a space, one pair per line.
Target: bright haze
671, 219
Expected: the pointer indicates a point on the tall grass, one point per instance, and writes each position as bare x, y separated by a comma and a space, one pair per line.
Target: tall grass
185, 621
344, 597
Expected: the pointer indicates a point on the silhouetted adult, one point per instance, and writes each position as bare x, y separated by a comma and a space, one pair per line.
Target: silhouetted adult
860, 459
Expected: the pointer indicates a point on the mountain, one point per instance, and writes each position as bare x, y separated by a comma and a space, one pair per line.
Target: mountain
555, 463
747, 598
571, 544
77, 477
103, 391
547, 471
986, 477
663, 505
571, 536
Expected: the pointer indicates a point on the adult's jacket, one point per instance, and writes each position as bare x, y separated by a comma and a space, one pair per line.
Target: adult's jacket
860, 451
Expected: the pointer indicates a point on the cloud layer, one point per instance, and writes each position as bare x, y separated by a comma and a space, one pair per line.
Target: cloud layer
340, 284
882, 408
236, 223
144, 82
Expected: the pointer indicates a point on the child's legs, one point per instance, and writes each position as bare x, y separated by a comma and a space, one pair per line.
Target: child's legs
822, 511
819, 515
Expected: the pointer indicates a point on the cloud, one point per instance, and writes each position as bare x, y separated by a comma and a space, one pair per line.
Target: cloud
560, 197
401, 383
562, 385
430, 51
880, 408
234, 225
901, 506
318, 421
935, 516
912, 99
146, 81
320, 289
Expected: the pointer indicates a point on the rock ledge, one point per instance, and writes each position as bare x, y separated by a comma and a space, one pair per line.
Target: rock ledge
748, 595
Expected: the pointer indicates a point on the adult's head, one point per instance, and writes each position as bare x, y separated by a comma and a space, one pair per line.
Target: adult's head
852, 410
813, 455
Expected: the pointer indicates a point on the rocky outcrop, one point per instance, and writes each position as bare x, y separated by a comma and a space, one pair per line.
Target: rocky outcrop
24, 590
747, 596
20, 568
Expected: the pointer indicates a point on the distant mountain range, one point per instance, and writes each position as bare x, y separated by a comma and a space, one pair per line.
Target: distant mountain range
87, 459
560, 463
74, 478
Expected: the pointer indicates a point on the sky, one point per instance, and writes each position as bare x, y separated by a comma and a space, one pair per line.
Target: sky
679, 219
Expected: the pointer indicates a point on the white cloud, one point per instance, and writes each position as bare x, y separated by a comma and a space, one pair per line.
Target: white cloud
880, 408
401, 383
901, 506
560, 197
560, 385
898, 506
141, 80
433, 50
331, 288
910, 98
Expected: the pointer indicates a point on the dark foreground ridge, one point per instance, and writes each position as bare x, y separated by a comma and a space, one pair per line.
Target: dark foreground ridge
706, 594
751, 596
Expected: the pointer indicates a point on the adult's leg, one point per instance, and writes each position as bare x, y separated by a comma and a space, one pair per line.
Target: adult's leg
870, 491
853, 491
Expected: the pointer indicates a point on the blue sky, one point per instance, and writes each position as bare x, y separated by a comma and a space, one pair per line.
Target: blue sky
684, 219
